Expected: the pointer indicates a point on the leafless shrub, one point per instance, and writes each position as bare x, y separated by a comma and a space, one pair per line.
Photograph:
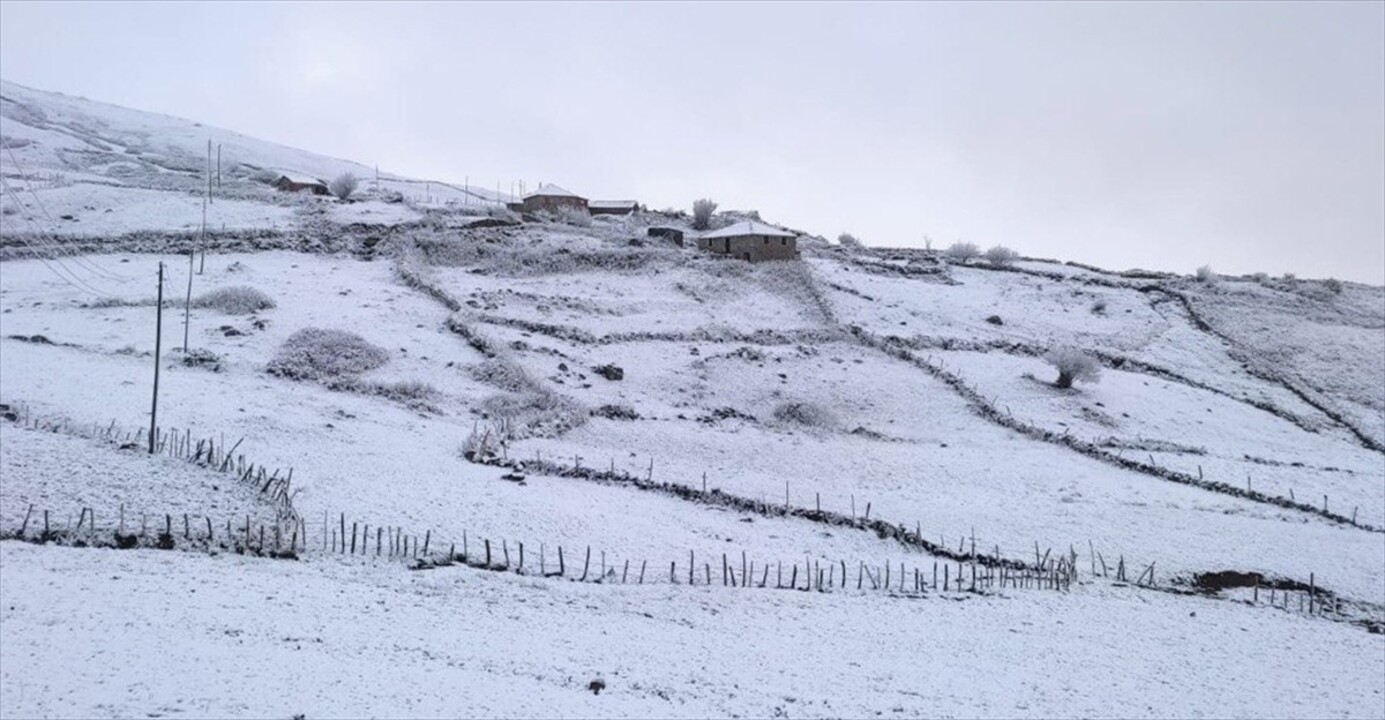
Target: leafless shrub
1205, 274
1073, 366
234, 300
963, 252
575, 217
325, 354
1001, 256
616, 412
538, 413
1333, 286
343, 185
847, 240
504, 374
805, 414
702, 213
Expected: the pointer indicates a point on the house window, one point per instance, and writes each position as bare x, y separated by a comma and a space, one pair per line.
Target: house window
783, 241
766, 241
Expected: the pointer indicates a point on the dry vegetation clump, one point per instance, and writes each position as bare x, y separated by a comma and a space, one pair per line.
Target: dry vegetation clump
326, 355
574, 217
805, 414
234, 300
1073, 366
537, 413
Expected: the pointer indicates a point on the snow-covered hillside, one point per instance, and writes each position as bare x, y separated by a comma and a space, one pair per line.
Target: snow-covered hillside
1201, 532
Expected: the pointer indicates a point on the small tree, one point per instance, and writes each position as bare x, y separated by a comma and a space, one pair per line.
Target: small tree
963, 251
847, 240
1205, 274
344, 185
702, 213
1073, 366
1001, 256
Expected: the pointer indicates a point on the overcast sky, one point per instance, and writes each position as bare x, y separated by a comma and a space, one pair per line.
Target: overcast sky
1250, 137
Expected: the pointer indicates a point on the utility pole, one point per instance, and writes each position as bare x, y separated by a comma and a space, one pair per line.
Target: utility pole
209, 170
218, 166
158, 336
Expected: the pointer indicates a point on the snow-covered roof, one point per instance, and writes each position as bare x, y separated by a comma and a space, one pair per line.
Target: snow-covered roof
612, 203
301, 179
550, 190
749, 227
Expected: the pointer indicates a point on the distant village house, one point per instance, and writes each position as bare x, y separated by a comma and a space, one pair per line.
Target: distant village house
298, 184
551, 198
752, 241
612, 207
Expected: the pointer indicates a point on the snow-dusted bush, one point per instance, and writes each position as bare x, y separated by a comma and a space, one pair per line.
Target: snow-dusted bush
1099, 307
847, 240
1001, 256
702, 213
343, 185
540, 413
325, 354
1073, 366
574, 216
804, 414
1333, 286
963, 251
264, 175
504, 374
234, 300
1205, 274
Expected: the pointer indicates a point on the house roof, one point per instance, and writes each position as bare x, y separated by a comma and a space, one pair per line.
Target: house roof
550, 190
300, 179
748, 227
612, 203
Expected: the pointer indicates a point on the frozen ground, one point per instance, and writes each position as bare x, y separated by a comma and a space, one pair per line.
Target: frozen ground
870, 383
178, 634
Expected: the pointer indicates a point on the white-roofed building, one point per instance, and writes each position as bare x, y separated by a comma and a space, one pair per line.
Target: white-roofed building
297, 183
751, 240
551, 198
612, 207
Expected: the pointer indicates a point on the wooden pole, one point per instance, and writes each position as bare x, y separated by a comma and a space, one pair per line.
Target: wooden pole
158, 337
187, 304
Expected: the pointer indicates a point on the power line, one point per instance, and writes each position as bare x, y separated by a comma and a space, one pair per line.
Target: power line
77, 258
45, 253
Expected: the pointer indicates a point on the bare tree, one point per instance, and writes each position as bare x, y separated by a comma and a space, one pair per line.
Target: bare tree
1001, 256
344, 185
963, 251
702, 213
1073, 366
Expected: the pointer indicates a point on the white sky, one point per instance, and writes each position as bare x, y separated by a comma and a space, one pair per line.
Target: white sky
1250, 137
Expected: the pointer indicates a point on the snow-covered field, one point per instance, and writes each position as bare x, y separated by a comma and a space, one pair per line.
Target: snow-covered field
899, 390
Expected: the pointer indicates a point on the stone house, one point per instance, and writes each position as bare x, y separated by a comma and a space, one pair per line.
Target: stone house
612, 207
298, 184
551, 198
752, 241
